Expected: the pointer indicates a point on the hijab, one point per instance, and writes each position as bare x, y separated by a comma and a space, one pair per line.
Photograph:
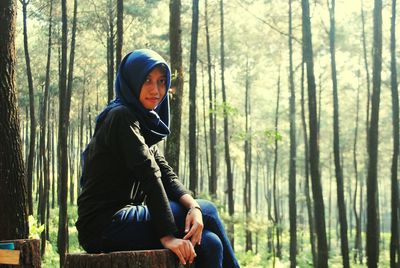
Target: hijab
132, 72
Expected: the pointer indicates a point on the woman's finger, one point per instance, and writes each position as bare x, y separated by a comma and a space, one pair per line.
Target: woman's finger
180, 255
190, 233
187, 223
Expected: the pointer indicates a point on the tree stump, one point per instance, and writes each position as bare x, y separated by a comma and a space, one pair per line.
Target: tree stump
29, 256
160, 258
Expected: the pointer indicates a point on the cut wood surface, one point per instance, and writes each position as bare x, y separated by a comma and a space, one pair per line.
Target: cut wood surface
29, 254
161, 258
8, 256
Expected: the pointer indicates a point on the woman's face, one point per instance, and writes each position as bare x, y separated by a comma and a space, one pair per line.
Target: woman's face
153, 89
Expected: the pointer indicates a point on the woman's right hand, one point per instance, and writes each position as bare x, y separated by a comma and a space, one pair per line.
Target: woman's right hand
182, 248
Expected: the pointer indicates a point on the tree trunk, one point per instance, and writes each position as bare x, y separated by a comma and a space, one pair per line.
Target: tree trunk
247, 158
207, 160
29, 253
311, 221
336, 142
173, 142
229, 174
212, 181
372, 185
274, 185
313, 140
110, 51
394, 239
357, 216
13, 195
43, 131
292, 161
193, 184
120, 31
127, 259
32, 139
62, 238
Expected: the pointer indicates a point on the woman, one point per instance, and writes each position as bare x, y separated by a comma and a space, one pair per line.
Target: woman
123, 168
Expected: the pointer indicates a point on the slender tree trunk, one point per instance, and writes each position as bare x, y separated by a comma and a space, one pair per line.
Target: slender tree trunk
43, 152
193, 185
207, 163
311, 221
110, 51
173, 142
336, 141
212, 181
372, 185
366, 66
247, 157
120, 31
62, 239
357, 216
32, 139
394, 240
292, 161
13, 193
274, 186
313, 139
229, 174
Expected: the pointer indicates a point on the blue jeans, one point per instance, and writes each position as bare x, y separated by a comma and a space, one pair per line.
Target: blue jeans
131, 229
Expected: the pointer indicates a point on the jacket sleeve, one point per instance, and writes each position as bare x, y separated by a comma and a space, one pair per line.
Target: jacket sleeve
174, 188
126, 138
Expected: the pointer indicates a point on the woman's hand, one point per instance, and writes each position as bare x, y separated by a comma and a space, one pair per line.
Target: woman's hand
194, 226
182, 248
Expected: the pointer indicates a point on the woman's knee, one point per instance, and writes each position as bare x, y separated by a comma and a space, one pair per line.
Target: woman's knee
211, 243
208, 207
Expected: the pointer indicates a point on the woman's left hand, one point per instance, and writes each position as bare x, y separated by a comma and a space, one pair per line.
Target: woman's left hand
194, 226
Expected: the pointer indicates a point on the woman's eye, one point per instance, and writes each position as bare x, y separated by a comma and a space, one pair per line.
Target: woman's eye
163, 81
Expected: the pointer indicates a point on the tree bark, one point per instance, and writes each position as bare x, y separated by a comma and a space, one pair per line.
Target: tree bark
43, 131
62, 238
229, 174
193, 184
110, 51
212, 181
247, 158
293, 156
311, 220
125, 259
394, 239
319, 211
176, 93
274, 184
336, 141
357, 216
32, 139
13, 193
372, 185
120, 31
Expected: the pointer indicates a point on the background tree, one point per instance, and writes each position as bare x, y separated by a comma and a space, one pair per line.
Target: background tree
212, 180
13, 195
120, 32
372, 180
32, 138
336, 140
293, 154
192, 100
313, 139
62, 238
394, 239
176, 93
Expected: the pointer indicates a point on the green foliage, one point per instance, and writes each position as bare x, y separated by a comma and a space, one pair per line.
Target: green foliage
34, 228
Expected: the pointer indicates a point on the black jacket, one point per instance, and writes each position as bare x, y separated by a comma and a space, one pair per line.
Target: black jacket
120, 169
